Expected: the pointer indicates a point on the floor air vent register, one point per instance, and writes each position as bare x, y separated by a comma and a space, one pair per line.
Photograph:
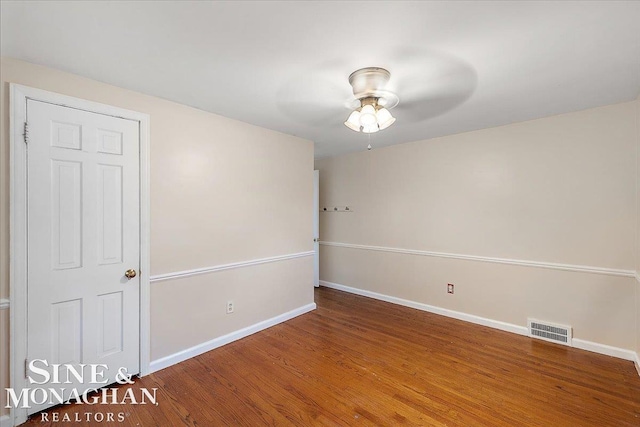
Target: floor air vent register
560, 334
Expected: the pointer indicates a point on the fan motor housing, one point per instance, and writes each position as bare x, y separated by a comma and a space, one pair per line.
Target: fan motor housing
370, 82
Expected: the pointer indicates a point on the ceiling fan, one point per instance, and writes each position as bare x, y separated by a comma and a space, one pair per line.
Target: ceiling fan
373, 100
317, 99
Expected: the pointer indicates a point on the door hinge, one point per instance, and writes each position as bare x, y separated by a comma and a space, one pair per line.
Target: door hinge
26, 133
26, 366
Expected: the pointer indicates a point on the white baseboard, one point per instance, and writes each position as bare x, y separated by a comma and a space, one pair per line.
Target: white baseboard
637, 362
5, 421
521, 330
496, 324
595, 347
188, 353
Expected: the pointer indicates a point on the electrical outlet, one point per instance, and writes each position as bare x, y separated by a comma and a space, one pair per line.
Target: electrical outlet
449, 288
229, 307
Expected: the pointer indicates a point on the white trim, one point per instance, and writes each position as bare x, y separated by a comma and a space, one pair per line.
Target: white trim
18, 222
636, 362
188, 353
520, 262
608, 350
316, 228
5, 421
520, 330
212, 269
496, 324
4, 304
145, 244
17, 245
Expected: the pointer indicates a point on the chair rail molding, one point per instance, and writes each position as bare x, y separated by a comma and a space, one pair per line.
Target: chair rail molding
240, 264
520, 262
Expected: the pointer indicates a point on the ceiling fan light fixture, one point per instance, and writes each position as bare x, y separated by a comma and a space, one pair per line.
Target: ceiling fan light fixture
385, 119
375, 100
353, 122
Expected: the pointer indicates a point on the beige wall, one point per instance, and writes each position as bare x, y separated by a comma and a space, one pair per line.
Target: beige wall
258, 292
557, 190
222, 191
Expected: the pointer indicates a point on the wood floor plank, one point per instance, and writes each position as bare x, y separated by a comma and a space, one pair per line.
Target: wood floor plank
358, 361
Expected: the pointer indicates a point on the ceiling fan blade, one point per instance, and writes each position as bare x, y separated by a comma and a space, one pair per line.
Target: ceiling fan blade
427, 108
313, 114
318, 97
434, 98
430, 83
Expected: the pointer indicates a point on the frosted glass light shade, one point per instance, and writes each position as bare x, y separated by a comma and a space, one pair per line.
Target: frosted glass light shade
368, 116
385, 119
353, 122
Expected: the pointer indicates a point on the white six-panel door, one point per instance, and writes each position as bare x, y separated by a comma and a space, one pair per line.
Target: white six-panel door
83, 234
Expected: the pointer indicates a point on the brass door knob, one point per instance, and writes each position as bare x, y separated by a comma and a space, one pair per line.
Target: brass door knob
130, 274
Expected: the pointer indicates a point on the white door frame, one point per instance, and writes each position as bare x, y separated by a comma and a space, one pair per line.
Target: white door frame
316, 228
18, 227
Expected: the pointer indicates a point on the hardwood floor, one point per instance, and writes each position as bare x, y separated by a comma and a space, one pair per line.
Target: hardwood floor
358, 361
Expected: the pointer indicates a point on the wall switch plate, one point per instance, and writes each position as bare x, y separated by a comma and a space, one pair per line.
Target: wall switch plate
229, 307
449, 288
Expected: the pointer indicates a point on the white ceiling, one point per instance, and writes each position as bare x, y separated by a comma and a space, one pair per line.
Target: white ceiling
456, 66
